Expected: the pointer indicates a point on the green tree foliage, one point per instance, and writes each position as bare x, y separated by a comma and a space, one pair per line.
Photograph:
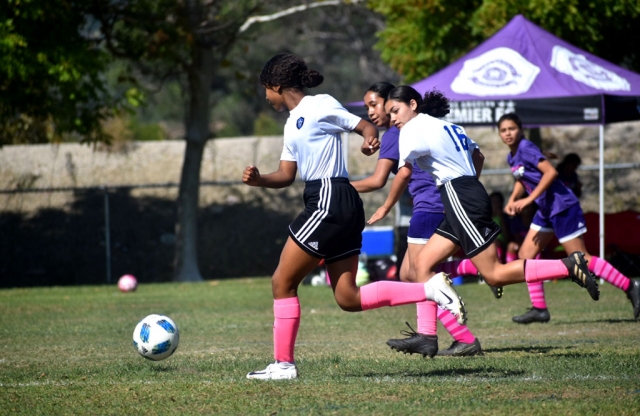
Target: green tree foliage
267, 126
51, 80
423, 36
191, 42
337, 41
146, 132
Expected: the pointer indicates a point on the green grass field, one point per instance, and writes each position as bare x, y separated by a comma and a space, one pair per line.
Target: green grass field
67, 350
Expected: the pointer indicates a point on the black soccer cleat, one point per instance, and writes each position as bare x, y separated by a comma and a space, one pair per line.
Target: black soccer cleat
427, 345
580, 273
633, 293
461, 349
533, 315
496, 290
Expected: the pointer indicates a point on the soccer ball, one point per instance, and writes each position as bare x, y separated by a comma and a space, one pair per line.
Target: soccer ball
127, 283
156, 337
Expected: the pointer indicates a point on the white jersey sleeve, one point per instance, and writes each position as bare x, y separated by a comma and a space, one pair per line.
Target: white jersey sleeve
335, 118
438, 147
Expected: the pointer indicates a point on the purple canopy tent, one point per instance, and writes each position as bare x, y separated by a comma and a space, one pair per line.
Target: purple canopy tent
545, 80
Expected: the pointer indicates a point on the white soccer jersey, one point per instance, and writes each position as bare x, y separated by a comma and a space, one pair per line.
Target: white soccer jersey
312, 137
438, 147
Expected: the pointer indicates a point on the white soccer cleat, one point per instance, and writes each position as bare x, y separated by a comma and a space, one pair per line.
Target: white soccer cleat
276, 371
439, 289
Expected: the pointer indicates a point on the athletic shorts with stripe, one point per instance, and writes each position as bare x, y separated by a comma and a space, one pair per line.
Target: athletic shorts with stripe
468, 219
567, 225
330, 227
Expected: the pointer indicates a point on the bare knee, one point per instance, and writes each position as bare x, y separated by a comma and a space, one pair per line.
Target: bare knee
281, 288
348, 302
409, 276
350, 307
491, 279
422, 273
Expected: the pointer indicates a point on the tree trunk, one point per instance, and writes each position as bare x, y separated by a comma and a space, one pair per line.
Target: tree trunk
186, 267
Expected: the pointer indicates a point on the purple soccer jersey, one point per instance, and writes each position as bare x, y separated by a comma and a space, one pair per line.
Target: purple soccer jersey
422, 187
524, 167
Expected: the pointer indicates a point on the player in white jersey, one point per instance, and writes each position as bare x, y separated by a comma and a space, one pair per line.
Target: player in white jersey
330, 226
444, 150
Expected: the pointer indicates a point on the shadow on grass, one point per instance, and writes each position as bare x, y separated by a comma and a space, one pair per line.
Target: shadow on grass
459, 372
162, 369
617, 321
530, 350
599, 321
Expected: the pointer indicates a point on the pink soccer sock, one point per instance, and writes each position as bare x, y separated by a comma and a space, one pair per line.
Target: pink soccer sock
500, 252
457, 268
383, 293
536, 293
606, 271
459, 332
541, 270
510, 257
285, 328
448, 267
466, 268
426, 314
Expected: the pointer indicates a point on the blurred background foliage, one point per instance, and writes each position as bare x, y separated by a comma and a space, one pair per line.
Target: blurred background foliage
337, 41
69, 87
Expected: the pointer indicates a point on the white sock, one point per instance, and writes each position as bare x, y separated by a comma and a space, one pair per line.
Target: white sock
428, 291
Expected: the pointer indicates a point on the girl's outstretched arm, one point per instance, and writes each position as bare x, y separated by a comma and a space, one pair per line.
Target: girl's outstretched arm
370, 133
283, 177
398, 186
379, 177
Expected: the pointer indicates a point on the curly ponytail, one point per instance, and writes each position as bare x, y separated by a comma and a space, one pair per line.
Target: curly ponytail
435, 104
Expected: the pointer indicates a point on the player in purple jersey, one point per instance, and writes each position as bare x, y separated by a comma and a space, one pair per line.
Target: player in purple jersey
331, 223
558, 212
455, 161
427, 213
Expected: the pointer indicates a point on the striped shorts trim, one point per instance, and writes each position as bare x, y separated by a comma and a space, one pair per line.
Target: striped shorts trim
330, 227
468, 216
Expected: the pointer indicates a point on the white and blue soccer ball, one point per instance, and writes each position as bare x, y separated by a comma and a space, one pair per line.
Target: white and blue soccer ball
156, 337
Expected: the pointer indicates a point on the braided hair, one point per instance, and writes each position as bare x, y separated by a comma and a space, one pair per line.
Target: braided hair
289, 71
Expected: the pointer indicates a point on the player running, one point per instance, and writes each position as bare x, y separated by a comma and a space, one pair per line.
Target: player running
444, 150
558, 212
330, 226
427, 214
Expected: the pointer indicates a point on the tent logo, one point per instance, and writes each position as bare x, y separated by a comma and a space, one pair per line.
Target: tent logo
500, 71
582, 70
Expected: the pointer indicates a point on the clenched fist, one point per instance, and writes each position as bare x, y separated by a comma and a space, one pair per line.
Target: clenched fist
251, 176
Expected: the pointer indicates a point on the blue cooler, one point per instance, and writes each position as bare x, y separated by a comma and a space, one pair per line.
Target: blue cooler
378, 241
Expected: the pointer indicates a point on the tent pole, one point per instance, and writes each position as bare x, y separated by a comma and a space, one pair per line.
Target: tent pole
601, 191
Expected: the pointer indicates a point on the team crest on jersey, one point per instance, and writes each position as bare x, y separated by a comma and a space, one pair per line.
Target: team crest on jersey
300, 122
517, 171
